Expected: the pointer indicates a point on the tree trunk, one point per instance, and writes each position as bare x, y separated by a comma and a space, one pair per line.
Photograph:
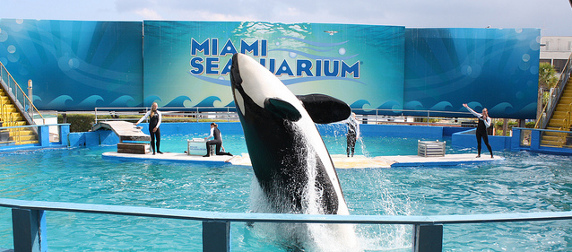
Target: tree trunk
505, 126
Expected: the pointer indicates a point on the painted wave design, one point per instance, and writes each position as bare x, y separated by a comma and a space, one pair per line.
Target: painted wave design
67, 102
122, 100
208, 102
178, 102
360, 106
501, 110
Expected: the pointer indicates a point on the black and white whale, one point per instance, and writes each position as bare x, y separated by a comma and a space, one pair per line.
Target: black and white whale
289, 157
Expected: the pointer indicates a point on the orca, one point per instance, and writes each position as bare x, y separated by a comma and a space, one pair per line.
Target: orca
288, 155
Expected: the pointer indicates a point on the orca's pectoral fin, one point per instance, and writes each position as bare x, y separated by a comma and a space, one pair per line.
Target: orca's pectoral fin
282, 109
325, 109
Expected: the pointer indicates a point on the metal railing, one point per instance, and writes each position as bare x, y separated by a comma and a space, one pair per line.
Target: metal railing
562, 138
550, 106
19, 128
559, 141
412, 117
427, 230
195, 114
20, 98
20, 101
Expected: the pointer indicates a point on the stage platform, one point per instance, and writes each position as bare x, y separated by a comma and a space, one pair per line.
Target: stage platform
340, 161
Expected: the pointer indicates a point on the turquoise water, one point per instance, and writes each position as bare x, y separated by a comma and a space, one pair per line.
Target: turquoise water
523, 183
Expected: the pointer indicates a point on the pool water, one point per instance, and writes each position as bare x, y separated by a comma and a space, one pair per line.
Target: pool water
522, 183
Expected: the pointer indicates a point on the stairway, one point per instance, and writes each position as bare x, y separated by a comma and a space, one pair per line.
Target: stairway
561, 120
10, 116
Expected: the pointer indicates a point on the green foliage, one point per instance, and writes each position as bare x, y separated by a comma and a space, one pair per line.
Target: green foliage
547, 77
78, 122
545, 97
499, 126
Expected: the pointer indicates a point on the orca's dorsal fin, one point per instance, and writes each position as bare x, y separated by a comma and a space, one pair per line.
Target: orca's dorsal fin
325, 109
282, 109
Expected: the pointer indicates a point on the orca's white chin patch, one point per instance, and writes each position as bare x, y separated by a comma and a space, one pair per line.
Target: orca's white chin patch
259, 83
239, 102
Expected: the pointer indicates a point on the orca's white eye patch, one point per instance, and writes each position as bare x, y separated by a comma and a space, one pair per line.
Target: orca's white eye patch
239, 102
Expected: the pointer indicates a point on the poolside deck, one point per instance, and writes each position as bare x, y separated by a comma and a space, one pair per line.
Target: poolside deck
340, 161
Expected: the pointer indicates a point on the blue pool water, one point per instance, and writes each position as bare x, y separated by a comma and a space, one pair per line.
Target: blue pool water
523, 183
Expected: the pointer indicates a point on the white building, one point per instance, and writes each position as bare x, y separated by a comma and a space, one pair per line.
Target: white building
556, 51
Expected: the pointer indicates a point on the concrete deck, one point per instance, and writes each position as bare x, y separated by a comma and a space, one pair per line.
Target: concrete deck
340, 161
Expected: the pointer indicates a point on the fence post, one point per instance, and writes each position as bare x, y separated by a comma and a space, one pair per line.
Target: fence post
64, 131
216, 236
29, 227
44, 135
427, 238
535, 138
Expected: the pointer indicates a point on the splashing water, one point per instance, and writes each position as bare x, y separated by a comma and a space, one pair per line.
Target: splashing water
362, 146
311, 237
336, 137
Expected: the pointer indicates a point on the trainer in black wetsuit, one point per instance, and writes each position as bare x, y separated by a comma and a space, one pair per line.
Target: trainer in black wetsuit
154, 123
217, 141
484, 123
352, 135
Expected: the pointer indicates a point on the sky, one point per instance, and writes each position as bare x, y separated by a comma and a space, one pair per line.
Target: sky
553, 17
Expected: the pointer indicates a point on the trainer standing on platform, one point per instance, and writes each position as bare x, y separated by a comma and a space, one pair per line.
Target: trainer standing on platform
352, 135
154, 123
484, 123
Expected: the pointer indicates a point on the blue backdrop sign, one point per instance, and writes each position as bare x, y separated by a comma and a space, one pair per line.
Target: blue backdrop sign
80, 65
75, 65
188, 63
492, 68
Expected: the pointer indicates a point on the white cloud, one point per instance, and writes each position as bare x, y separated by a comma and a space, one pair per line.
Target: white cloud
148, 14
552, 16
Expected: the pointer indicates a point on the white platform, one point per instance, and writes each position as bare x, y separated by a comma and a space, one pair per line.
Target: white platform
340, 161
169, 157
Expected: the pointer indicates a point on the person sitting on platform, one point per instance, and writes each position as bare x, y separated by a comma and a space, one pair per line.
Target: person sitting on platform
217, 141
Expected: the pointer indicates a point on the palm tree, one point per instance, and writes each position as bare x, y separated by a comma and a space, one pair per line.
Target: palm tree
547, 79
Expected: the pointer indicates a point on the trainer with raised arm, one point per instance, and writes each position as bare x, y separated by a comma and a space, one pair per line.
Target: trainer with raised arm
484, 123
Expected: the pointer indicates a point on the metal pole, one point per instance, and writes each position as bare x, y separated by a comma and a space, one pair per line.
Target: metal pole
29, 227
428, 238
30, 96
216, 236
428, 112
